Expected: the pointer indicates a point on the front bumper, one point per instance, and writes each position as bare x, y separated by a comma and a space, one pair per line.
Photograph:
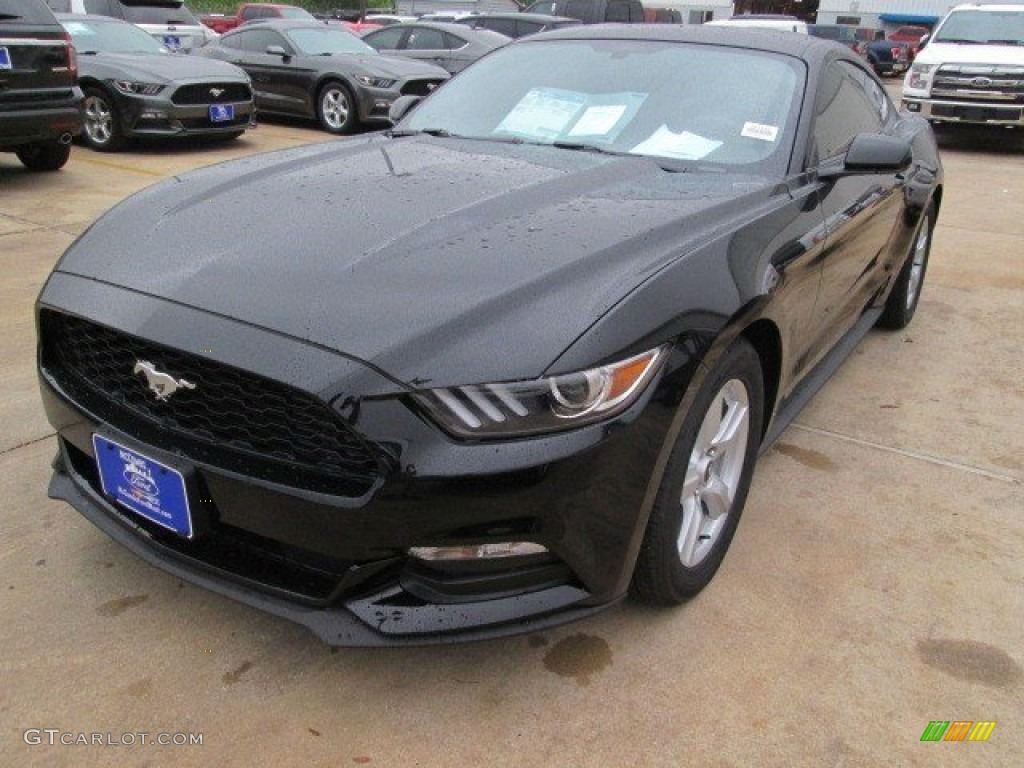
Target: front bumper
338, 564
977, 113
158, 116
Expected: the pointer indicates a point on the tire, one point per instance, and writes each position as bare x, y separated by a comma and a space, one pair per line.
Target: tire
902, 302
336, 109
102, 130
44, 155
705, 484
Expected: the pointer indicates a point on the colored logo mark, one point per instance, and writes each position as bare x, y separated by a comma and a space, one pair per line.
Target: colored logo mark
958, 730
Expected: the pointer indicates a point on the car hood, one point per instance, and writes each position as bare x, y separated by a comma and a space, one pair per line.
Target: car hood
162, 68
439, 261
955, 53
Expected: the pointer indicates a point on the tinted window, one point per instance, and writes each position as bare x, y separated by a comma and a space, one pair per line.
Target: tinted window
26, 11
504, 26
103, 8
421, 39
386, 39
844, 109
257, 40
580, 9
617, 12
159, 14
873, 92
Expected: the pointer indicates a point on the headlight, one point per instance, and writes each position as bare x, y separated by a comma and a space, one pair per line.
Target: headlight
920, 75
375, 82
544, 405
137, 89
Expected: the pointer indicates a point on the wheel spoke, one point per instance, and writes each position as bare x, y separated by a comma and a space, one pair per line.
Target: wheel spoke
689, 531
717, 497
731, 426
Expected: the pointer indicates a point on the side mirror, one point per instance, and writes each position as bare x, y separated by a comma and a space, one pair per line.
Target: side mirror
278, 50
871, 153
402, 106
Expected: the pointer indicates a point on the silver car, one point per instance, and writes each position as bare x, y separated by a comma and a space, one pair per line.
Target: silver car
169, 21
451, 46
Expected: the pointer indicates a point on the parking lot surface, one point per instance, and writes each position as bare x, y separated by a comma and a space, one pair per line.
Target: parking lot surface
875, 584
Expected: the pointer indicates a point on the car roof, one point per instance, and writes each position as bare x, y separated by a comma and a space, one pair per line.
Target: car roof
811, 49
540, 17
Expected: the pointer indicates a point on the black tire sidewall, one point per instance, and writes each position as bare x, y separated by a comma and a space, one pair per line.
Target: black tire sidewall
665, 579
44, 156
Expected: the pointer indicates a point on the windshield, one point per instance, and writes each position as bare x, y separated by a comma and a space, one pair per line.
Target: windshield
110, 37
982, 27
325, 41
670, 100
159, 13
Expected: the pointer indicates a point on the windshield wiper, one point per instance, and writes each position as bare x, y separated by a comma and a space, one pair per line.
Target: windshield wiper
1005, 42
441, 133
959, 41
579, 146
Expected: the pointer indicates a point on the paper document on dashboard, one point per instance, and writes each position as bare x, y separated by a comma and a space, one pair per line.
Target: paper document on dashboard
682, 146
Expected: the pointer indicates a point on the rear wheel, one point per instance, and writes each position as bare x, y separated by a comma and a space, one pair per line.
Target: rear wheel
44, 155
705, 484
336, 109
102, 130
902, 303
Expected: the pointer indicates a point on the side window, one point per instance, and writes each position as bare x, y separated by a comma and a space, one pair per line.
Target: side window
100, 8
617, 12
874, 93
251, 12
387, 39
233, 41
504, 26
425, 40
843, 110
454, 42
259, 39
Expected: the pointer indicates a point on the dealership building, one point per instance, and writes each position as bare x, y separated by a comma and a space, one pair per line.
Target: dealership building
887, 14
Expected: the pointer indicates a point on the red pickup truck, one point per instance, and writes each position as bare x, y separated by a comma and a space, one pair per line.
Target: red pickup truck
251, 11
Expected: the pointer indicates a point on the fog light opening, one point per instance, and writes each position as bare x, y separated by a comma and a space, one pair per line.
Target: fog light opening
479, 551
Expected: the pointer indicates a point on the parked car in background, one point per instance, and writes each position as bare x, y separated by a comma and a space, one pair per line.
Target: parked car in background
592, 11
972, 69
40, 103
912, 36
168, 21
517, 24
445, 44
498, 367
886, 57
254, 12
839, 33
778, 22
309, 69
134, 87
387, 19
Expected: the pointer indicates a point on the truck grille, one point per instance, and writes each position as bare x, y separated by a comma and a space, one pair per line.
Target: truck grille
211, 93
232, 418
979, 83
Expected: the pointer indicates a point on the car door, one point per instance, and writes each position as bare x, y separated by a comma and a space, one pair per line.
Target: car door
272, 90
861, 211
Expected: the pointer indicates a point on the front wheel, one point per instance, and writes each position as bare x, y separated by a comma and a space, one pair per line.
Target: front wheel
336, 109
902, 302
705, 484
102, 129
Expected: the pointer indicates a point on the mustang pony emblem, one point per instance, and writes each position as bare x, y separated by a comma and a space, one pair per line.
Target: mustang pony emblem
216, 92
161, 384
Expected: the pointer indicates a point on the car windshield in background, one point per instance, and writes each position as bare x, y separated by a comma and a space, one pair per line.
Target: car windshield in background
159, 14
106, 37
733, 107
983, 27
295, 13
327, 41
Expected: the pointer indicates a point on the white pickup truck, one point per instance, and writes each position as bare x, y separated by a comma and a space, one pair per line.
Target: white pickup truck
971, 69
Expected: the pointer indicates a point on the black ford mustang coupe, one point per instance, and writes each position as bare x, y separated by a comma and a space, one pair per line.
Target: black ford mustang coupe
504, 364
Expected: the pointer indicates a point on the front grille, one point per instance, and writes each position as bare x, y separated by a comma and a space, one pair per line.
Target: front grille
232, 418
980, 83
420, 87
202, 93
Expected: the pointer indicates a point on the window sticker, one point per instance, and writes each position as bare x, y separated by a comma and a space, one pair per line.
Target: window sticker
681, 146
543, 113
760, 132
598, 121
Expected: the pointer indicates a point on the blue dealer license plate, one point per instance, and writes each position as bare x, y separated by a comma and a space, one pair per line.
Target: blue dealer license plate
5, 59
146, 487
222, 113
172, 41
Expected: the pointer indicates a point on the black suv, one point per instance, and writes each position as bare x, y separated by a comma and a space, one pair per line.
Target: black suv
40, 103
